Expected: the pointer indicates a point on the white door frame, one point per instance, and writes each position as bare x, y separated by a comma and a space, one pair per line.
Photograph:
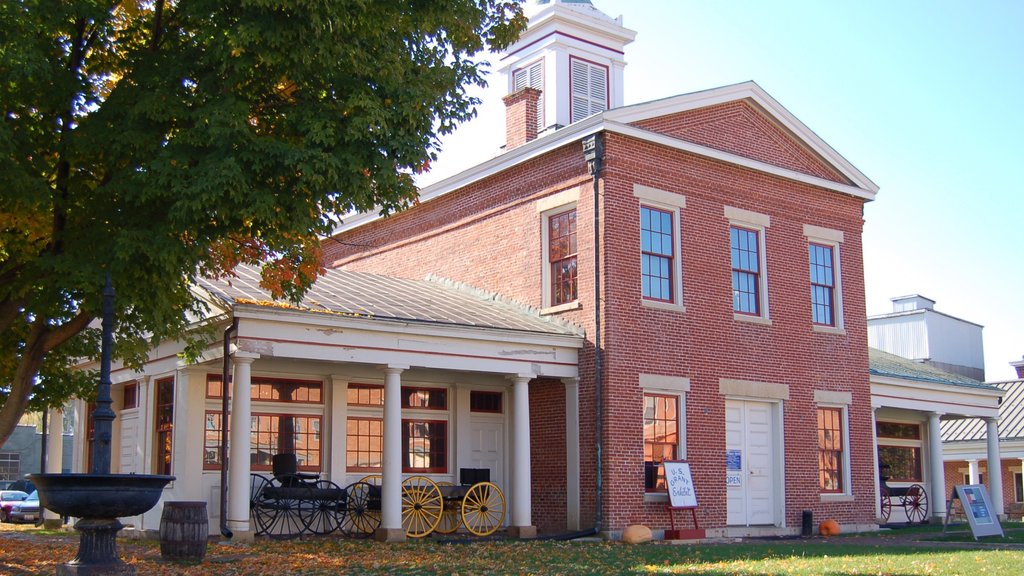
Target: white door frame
778, 455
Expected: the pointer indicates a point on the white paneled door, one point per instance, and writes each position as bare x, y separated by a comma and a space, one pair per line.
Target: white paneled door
487, 438
750, 461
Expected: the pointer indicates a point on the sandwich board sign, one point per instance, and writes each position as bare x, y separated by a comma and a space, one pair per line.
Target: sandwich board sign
983, 519
681, 493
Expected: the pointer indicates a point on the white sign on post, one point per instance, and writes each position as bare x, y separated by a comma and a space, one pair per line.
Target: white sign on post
978, 509
681, 493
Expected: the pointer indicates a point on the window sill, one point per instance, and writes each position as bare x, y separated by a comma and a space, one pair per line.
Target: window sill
575, 304
837, 497
655, 497
657, 305
751, 319
828, 330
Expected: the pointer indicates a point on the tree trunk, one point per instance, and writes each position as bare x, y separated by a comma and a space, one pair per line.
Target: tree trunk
24, 377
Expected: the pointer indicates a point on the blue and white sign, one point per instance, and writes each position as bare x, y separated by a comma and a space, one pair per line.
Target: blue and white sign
733, 460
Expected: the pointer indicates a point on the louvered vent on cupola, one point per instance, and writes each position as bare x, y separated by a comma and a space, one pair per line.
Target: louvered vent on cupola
531, 76
589, 88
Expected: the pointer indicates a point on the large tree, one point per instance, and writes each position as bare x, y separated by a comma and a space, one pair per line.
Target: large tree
158, 140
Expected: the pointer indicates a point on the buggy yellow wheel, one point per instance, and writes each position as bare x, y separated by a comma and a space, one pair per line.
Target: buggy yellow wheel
483, 509
373, 479
450, 519
421, 506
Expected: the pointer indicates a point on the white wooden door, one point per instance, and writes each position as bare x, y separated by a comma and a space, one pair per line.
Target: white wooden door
487, 440
750, 461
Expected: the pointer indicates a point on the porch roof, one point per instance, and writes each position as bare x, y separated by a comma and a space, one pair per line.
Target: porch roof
1011, 418
886, 364
432, 301
900, 383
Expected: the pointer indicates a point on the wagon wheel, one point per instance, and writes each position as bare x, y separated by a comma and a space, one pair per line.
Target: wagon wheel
372, 479
323, 512
483, 509
421, 506
361, 518
886, 509
288, 504
450, 519
263, 515
916, 503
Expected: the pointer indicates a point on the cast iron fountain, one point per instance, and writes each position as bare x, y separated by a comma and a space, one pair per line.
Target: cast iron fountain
98, 499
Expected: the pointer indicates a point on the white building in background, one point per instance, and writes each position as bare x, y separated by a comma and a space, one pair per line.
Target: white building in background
916, 331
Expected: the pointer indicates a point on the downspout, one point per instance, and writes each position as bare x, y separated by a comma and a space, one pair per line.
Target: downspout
593, 152
225, 373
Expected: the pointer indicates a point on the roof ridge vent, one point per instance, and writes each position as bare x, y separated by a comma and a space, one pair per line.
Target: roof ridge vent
502, 299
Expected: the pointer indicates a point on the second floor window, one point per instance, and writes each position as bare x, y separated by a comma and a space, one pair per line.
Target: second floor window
746, 271
656, 253
562, 257
823, 284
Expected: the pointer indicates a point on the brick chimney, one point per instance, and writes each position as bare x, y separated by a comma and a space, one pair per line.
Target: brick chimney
521, 117
1019, 366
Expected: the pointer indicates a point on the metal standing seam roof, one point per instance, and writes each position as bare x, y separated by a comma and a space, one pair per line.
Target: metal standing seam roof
886, 364
386, 298
1011, 418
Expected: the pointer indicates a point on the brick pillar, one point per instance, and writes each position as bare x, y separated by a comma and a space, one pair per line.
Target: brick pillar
521, 117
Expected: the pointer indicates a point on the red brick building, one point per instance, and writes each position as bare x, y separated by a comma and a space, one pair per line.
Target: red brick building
708, 244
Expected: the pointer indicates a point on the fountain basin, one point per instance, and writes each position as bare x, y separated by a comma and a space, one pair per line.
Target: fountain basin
99, 495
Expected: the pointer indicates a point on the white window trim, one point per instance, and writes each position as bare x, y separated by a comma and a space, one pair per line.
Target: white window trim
676, 386
841, 400
759, 223
833, 239
672, 203
550, 210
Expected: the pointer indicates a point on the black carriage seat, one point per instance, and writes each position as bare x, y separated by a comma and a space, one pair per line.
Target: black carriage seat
286, 470
470, 476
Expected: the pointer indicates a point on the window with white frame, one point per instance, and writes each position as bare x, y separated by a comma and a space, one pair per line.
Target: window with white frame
833, 438
559, 274
588, 87
664, 426
10, 466
748, 263
661, 279
825, 277
425, 413
532, 76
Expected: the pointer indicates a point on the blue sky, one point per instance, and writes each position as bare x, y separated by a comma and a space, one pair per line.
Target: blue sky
922, 96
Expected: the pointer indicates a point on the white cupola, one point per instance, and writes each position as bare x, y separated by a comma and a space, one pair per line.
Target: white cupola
573, 54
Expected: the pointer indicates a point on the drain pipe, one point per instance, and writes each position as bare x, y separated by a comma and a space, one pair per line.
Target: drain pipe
593, 152
225, 373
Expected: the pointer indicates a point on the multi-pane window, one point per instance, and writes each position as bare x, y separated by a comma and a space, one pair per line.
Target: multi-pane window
365, 395
562, 256
10, 466
830, 449
823, 285
899, 451
164, 418
531, 76
285, 433
424, 446
424, 398
365, 451
656, 252
746, 270
273, 389
483, 401
212, 435
661, 438
588, 84
1018, 487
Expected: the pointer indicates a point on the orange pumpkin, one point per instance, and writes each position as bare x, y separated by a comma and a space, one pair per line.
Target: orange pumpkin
829, 528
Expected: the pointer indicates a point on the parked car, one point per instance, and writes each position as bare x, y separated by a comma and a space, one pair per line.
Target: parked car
8, 498
25, 485
27, 510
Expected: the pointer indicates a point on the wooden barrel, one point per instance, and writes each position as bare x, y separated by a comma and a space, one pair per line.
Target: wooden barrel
184, 527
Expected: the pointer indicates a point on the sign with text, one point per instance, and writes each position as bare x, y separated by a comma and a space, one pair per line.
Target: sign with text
983, 520
681, 493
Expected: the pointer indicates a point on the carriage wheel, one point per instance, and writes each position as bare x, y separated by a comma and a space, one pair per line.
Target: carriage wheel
263, 515
288, 504
886, 509
372, 479
323, 512
916, 503
483, 509
450, 519
361, 518
421, 506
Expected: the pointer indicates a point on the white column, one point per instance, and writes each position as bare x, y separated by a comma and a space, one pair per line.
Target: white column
240, 430
572, 453
995, 468
391, 481
972, 471
938, 474
522, 515
877, 470
54, 457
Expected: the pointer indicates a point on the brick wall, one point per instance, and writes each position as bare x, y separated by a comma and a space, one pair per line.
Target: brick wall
489, 235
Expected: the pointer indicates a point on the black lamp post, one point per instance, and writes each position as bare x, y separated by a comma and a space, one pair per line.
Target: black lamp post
100, 498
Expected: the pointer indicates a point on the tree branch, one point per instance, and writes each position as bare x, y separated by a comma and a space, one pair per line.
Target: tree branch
61, 334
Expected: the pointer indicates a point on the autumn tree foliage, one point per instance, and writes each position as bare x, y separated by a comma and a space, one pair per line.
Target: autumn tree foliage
158, 140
